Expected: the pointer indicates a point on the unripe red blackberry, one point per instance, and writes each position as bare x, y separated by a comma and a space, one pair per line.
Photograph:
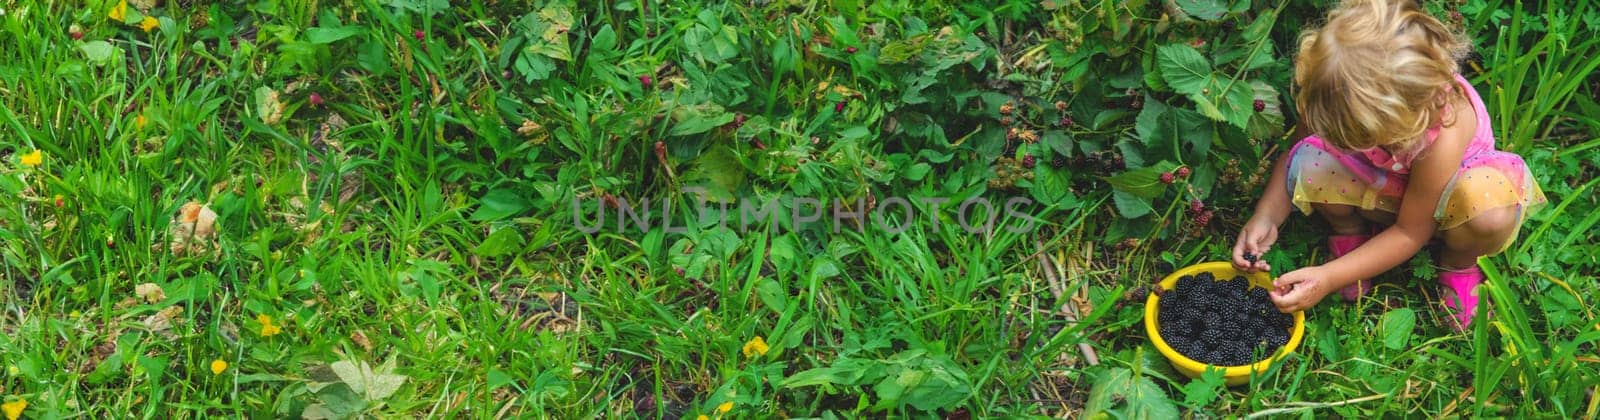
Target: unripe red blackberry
1183, 172
1260, 105
1195, 206
1203, 219
1028, 161
1166, 178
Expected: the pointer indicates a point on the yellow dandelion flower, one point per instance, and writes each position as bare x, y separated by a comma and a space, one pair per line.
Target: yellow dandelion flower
13, 371
267, 329
217, 366
33, 158
701, 417
118, 12
755, 347
13, 409
725, 407
139, 121
149, 23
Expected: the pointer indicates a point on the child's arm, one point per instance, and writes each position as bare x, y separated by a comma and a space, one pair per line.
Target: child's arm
1261, 231
1430, 174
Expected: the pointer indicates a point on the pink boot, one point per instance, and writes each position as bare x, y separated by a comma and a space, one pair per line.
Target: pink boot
1341, 245
1460, 294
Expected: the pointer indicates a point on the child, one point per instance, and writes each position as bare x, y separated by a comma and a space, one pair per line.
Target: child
1401, 147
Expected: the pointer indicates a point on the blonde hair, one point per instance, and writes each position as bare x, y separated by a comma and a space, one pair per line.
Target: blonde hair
1377, 73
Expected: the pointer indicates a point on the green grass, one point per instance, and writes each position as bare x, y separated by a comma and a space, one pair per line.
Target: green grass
405, 225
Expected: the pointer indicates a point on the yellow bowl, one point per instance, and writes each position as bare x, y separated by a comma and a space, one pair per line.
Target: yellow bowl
1234, 375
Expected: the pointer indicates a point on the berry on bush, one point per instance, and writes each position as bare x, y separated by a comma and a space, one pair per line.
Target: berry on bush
1203, 219
1166, 178
1027, 161
1195, 206
1058, 162
1183, 172
1223, 323
418, 34
1260, 105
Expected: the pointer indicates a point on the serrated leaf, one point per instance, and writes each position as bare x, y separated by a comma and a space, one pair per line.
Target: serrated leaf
1148, 125
1201, 391
1267, 123
1143, 182
1183, 68
1131, 206
1137, 397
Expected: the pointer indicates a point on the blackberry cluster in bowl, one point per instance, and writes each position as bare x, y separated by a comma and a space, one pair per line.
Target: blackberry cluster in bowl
1221, 323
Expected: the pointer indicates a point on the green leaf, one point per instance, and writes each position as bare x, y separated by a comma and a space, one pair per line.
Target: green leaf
1184, 68
719, 172
499, 204
1396, 327
1058, 140
1053, 187
502, 241
1268, 123
1143, 182
1204, 9
698, 119
1201, 391
320, 35
1133, 396
1131, 206
917, 171
1149, 124
98, 52
371, 385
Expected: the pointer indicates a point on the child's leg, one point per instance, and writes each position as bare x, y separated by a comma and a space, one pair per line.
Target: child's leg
1484, 234
1345, 220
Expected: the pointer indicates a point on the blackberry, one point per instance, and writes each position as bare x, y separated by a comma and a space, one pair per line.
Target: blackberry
1167, 178
1260, 105
1252, 258
1183, 172
1058, 162
1028, 161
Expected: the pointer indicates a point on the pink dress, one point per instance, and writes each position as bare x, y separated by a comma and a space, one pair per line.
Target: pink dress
1374, 179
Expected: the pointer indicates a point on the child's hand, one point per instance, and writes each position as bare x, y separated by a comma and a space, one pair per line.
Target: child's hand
1254, 239
1300, 289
